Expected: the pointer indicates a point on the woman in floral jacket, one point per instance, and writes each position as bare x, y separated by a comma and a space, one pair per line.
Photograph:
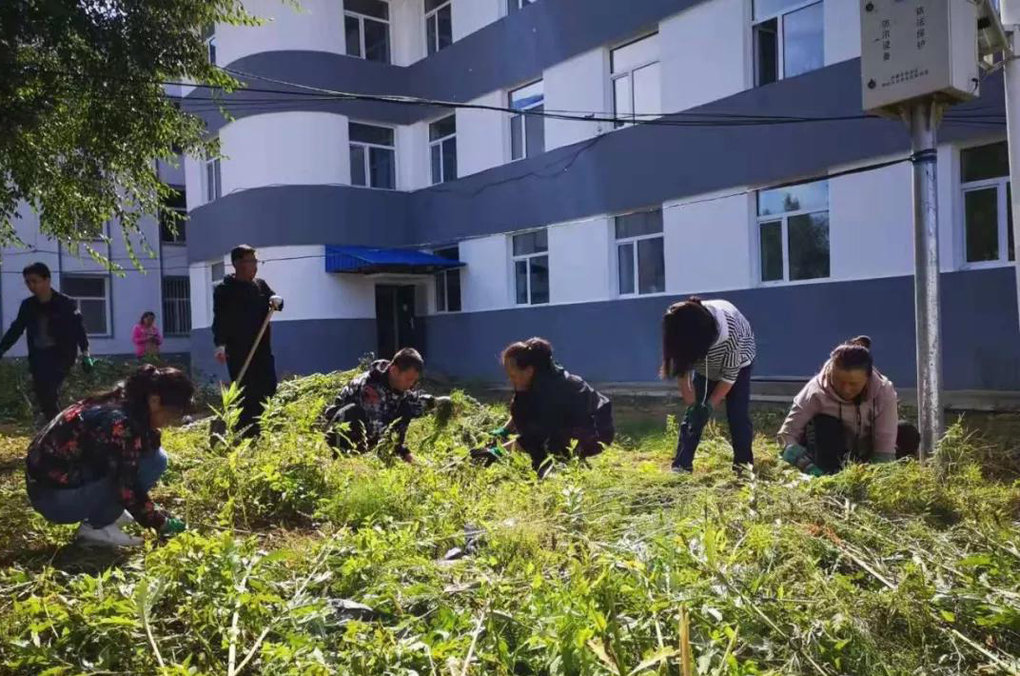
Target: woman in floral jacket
97, 460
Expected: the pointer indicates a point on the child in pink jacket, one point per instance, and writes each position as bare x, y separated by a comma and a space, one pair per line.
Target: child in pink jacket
846, 413
146, 336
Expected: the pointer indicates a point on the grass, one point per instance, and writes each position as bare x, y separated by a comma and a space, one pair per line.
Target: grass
300, 564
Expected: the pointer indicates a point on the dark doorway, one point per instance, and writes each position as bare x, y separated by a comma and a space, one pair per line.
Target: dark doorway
396, 325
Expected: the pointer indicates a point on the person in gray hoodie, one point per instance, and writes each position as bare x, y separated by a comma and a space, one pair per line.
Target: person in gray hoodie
846, 413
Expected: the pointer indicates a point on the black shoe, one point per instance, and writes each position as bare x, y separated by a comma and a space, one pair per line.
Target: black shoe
677, 468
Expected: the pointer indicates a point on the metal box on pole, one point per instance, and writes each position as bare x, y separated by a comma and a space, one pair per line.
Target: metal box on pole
918, 49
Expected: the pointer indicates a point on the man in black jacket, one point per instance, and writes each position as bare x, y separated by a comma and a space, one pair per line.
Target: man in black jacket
56, 333
241, 303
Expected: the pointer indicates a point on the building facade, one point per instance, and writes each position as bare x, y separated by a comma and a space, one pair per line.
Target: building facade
758, 180
111, 302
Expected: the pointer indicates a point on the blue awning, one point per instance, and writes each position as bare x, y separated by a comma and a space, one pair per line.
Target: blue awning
367, 260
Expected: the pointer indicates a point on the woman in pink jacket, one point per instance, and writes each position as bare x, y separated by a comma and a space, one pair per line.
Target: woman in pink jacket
846, 413
146, 336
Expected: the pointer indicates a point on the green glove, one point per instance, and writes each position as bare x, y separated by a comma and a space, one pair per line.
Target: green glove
173, 527
798, 456
88, 364
500, 433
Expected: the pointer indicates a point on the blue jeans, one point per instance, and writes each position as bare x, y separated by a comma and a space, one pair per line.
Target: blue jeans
97, 502
738, 415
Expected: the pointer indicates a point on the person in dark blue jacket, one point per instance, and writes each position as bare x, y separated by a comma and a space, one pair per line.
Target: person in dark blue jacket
56, 333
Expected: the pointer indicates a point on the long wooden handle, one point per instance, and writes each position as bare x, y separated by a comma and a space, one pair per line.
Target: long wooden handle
255, 345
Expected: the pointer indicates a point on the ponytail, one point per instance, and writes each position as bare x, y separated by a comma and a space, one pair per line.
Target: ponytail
171, 385
854, 355
533, 352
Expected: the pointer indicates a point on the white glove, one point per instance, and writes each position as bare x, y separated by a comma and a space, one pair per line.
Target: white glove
276, 302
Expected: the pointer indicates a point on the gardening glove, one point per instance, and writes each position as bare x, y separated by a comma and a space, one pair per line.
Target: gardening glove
798, 456
486, 456
698, 415
501, 433
276, 302
172, 527
221, 354
88, 364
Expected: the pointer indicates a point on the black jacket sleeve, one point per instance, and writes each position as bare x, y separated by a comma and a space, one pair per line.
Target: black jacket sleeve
220, 320
15, 330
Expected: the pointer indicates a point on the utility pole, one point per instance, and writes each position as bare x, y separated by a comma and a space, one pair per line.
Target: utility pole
1011, 78
923, 118
917, 58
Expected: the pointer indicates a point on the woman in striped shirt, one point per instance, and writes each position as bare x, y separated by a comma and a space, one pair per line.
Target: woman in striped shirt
709, 347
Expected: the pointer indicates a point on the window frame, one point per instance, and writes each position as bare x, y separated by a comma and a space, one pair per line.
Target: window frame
1001, 185
184, 305
784, 219
361, 33
368, 160
780, 18
207, 189
629, 74
633, 240
447, 5
439, 142
514, 6
107, 299
181, 238
524, 119
527, 259
443, 281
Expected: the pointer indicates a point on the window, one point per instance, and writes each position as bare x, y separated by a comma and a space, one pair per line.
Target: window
641, 263
531, 267
987, 215
793, 232
527, 131
209, 34
438, 25
218, 271
213, 179
172, 231
176, 306
91, 294
635, 80
517, 5
443, 149
367, 27
373, 158
789, 38
448, 283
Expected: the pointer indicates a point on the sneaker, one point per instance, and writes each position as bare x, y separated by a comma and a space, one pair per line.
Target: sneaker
682, 469
125, 519
107, 536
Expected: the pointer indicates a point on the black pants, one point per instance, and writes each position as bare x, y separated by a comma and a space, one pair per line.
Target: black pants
826, 441
589, 442
358, 438
48, 374
258, 385
738, 415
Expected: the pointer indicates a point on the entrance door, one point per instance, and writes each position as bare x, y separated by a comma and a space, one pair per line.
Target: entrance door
396, 326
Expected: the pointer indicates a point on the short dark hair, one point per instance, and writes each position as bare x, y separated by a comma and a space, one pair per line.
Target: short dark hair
38, 269
688, 331
533, 352
147, 313
240, 251
408, 358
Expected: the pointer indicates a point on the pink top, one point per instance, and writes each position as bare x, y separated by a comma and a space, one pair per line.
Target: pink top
147, 339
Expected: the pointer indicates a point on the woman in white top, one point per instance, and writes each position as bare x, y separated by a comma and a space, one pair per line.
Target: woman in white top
709, 347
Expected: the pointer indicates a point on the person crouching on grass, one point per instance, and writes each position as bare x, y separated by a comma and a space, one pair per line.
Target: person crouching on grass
550, 409
96, 462
709, 347
849, 412
380, 401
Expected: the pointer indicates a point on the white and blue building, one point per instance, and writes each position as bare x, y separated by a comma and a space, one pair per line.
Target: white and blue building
585, 231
